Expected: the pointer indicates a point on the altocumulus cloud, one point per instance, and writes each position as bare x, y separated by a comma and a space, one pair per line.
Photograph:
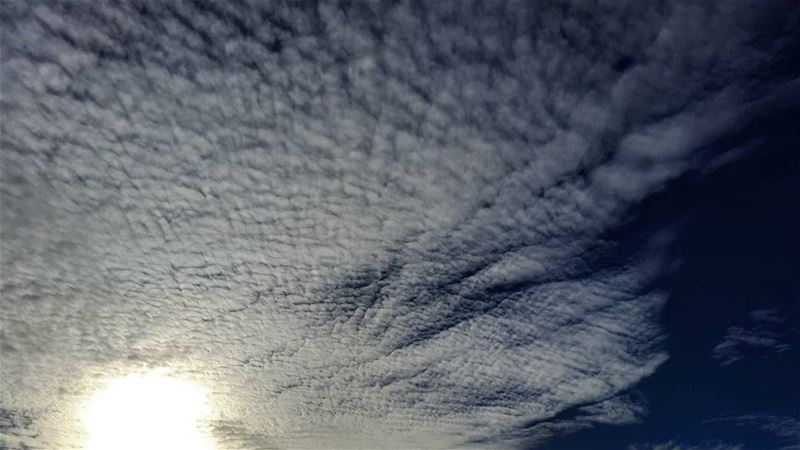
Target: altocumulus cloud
362, 224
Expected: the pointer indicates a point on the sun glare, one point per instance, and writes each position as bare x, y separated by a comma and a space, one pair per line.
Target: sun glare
148, 411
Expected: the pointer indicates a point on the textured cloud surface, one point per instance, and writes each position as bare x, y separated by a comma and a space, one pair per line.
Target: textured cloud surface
360, 224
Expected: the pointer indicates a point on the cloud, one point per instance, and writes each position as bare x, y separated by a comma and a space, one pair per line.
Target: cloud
16, 427
620, 410
785, 429
765, 333
367, 225
670, 445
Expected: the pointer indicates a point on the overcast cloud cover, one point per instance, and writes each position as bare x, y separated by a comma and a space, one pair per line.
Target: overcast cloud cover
360, 224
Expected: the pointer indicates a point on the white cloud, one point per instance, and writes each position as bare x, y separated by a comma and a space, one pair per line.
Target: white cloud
377, 226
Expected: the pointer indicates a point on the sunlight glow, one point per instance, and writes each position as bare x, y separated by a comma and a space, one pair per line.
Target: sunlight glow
148, 411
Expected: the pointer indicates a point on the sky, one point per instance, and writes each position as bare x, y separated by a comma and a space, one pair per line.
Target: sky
409, 225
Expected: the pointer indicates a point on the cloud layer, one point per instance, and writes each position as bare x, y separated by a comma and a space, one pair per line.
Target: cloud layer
359, 225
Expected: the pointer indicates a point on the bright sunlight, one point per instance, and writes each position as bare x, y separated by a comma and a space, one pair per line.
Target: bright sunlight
148, 411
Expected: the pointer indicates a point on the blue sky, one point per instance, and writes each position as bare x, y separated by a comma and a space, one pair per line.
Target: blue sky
736, 244
486, 224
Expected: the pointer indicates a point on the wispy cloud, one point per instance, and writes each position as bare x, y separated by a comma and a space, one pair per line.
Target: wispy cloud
764, 332
785, 429
671, 445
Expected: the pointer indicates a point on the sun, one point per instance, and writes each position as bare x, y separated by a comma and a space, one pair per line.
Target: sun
148, 411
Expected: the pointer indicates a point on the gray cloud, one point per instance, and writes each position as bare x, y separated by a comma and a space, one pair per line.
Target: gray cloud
363, 225
620, 410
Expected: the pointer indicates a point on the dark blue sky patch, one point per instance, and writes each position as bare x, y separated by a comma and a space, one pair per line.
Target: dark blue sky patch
734, 245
